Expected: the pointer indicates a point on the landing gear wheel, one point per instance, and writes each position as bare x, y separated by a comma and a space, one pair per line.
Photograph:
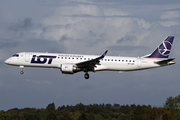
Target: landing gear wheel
22, 72
22, 68
86, 76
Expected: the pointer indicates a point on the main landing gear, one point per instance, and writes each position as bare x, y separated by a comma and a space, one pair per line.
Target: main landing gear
22, 67
86, 75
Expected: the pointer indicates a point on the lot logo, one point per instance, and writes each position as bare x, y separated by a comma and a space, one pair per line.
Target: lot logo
42, 59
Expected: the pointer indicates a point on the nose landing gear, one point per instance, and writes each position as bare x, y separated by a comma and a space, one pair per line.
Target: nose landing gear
22, 72
22, 67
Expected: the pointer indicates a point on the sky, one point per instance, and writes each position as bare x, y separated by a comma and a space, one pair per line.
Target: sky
126, 28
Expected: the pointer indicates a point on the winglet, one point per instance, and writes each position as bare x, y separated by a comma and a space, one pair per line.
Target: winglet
102, 56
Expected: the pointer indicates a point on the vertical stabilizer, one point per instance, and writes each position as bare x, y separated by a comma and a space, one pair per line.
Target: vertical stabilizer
163, 49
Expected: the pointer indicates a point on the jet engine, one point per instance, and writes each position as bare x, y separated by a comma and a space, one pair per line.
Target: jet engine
69, 68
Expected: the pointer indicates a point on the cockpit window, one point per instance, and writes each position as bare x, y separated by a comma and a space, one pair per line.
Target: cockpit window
16, 55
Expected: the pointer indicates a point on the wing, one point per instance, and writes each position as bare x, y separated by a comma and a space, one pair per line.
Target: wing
90, 64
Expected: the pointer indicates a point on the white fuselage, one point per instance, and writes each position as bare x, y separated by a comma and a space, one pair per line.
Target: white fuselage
53, 60
73, 63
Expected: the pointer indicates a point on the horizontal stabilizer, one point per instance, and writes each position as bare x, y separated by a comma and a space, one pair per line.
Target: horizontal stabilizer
167, 61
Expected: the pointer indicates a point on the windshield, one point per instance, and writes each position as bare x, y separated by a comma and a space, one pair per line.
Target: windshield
16, 55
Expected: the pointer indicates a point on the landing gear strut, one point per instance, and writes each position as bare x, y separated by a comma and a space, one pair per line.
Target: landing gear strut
22, 67
86, 75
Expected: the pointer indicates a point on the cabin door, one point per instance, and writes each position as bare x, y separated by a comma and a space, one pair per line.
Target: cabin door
27, 57
139, 62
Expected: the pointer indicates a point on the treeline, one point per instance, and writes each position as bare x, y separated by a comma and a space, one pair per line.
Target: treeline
170, 111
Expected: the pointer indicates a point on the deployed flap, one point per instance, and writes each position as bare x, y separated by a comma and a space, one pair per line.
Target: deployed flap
91, 63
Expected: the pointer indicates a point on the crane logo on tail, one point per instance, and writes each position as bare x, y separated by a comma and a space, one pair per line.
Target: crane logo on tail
164, 48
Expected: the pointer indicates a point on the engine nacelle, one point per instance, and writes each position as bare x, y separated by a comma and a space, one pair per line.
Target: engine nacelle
67, 68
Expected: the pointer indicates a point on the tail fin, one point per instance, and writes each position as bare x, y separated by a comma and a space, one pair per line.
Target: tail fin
163, 49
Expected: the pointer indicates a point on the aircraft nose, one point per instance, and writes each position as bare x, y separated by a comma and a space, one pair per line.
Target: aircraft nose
7, 61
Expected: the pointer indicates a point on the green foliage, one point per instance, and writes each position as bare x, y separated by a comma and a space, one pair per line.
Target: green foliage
51, 116
50, 107
171, 111
138, 112
166, 117
99, 117
173, 105
91, 116
79, 107
66, 116
83, 116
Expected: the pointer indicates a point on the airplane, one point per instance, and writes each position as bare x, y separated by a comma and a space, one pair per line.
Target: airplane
73, 63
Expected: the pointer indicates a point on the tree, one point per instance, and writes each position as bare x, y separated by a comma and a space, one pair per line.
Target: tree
51, 116
155, 113
91, 116
166, 117
139, 113
108, 107
79, 107
50, 107
66, 116
125, 109
83, 116
3, 115
173, 104
98, 117
20, 116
